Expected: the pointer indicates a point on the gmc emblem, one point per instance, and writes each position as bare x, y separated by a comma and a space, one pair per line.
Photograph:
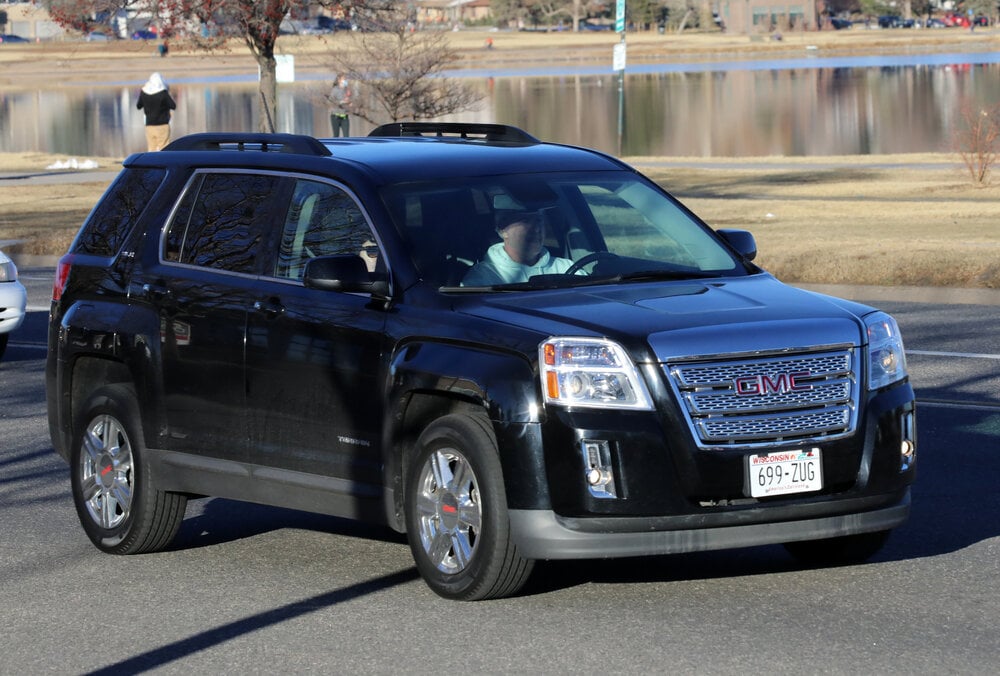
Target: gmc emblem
780, 383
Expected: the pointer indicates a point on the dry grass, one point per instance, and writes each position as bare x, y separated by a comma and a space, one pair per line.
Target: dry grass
859, 225
866, 224
43, 219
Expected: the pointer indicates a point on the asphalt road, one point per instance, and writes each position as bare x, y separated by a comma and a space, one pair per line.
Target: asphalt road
253, 590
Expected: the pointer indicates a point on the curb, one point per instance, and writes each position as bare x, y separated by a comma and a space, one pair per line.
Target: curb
33, 261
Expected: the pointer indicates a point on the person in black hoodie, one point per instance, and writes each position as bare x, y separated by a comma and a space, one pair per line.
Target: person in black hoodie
155, 101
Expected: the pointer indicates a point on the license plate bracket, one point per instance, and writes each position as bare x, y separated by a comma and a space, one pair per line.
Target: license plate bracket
784, 472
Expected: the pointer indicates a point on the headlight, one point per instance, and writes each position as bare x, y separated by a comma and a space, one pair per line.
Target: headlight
8, 271
590, 372
886, 360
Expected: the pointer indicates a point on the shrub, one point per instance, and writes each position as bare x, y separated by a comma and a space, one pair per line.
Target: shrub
977, 140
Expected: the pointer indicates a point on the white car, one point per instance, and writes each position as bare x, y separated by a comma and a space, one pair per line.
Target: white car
13, 300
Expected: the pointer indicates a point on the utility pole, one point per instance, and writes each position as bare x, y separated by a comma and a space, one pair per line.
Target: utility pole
619, 65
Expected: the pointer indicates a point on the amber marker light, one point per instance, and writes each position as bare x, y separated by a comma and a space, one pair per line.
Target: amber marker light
552, 383
550, 354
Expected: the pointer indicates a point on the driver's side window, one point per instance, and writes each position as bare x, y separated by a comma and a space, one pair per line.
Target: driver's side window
322, 220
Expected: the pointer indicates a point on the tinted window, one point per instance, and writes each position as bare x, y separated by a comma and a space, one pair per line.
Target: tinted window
114, 216
322, 220
222, 221
619, 223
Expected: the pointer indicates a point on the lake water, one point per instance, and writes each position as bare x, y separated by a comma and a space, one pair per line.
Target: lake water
796, 107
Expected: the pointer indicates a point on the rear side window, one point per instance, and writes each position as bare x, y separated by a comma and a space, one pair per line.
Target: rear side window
116, 214
223, 220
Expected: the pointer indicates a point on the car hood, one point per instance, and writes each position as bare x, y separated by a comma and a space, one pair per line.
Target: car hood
683, 319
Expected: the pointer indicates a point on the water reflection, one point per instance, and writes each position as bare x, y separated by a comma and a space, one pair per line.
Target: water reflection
734, 113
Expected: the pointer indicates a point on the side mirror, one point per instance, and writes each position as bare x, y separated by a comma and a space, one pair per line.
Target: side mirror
346, 273
742, 241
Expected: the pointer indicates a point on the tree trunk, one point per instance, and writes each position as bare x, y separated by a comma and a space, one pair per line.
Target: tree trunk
687, 15
268, 94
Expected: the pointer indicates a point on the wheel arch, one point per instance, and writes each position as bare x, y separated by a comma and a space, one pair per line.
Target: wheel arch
90, 373
431, 380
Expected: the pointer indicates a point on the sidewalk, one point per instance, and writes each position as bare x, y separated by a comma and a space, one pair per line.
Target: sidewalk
60, 176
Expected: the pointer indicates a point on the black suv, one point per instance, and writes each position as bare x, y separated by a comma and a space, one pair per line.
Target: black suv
509, 350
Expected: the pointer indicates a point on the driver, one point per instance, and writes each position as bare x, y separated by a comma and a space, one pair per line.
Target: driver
519, 255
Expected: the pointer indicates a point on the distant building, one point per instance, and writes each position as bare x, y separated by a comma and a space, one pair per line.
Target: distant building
451, 12
761, 17
29, 20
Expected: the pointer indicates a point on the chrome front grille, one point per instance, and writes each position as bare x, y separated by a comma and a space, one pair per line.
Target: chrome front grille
770, 399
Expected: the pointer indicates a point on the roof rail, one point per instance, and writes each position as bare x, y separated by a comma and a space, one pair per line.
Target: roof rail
490, 133
266, 143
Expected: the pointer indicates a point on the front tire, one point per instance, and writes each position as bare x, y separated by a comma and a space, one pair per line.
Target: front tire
114, 491
845, 550
456, 512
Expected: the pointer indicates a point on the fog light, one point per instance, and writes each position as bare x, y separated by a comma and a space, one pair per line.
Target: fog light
908, 444
598, 473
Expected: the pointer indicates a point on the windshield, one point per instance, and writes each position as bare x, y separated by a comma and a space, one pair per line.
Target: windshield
552, 229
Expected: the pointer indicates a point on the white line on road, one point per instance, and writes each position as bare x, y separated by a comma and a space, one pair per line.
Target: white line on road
964, 406
28, 346
969, 355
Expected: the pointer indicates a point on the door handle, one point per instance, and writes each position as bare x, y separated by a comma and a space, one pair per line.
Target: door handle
155, 290
270, 308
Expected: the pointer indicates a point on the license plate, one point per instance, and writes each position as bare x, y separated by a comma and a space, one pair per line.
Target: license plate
784, 472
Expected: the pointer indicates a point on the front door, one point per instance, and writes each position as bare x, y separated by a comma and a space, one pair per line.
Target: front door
314, 394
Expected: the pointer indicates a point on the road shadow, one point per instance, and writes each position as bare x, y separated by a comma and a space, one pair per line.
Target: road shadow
27, 342
218, 521
205, 640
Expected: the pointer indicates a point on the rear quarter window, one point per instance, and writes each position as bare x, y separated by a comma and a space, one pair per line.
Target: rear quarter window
111, 221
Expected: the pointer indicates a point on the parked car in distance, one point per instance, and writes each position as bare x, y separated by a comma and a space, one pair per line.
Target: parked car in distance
934, 22
144, 35
510, 350
332, 25
13, 300
11, 39
594, 26
96, 36
841, 24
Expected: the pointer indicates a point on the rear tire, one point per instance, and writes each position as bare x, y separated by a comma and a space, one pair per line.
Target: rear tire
114, 491
845, 550
456, 512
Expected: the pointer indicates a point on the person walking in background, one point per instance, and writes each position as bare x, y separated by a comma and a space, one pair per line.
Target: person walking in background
155, 101
340, 101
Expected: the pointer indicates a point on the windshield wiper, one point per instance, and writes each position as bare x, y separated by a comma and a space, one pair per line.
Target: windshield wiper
652, 275
559, 281
535, 283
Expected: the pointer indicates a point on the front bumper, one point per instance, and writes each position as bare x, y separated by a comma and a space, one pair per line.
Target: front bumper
542, 534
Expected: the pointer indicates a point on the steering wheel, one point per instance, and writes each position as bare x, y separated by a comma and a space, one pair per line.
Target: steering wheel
587, 260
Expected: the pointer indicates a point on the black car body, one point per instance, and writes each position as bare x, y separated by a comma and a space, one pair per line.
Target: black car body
208, 339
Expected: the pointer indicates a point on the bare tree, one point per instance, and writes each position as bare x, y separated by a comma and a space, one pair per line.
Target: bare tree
209, 24
398, 74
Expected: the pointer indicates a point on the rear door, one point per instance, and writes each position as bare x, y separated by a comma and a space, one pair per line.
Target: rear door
203, 287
